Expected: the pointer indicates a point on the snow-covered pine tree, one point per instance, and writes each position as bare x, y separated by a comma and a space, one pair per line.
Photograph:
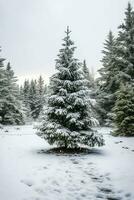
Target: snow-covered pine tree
2, 85
33, 99
91, 96
40, 96
25, 93
11, 112
124, 111
26, 89
125, 48
40, 86
21, 94
124, 107
88, 75
107, 82
67, 122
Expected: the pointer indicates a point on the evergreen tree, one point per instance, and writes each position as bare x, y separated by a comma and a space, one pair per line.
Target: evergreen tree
108, 71
107, 82
25, 105
11, 107
67, 122
125, 48
88, 75
118, 64
25, 93
41, 97
124, 111
91, 96
26, 90
21, 93
2, 85
33, 99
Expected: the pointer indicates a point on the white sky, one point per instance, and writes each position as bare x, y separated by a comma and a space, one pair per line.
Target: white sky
32, 30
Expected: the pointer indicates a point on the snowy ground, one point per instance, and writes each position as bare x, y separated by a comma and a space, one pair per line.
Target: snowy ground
28, 173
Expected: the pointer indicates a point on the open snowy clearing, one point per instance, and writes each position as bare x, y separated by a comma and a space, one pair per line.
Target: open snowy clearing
27, 172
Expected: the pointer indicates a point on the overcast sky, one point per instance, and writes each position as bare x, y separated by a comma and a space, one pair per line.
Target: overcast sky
31, 31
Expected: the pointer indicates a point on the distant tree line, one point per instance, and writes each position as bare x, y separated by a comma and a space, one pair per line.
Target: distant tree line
19, 104
33, 97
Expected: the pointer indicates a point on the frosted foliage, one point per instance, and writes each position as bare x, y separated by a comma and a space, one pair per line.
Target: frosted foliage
118, 65
10, 104
124, 120
68, 111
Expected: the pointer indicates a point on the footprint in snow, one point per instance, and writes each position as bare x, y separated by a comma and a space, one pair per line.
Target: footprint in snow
88, 173
83, 195
118, 142
27, 182
106, 190
106, 176
45, 167
125, 147
113, 197
57, 190
97, 179
107, 193
83, 182
74, 161
100, 196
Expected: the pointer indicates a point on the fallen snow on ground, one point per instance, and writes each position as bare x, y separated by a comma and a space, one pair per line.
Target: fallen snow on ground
28, 172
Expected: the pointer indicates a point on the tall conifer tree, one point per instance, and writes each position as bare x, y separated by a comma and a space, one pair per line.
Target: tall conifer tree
41, 96
125, 48
124, 111
88, 75
108, 81
67, 121
2, 85
11, 112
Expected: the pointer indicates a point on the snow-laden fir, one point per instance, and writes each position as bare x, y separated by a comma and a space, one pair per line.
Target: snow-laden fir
117, 66
10, 105
124, 111
68, 118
